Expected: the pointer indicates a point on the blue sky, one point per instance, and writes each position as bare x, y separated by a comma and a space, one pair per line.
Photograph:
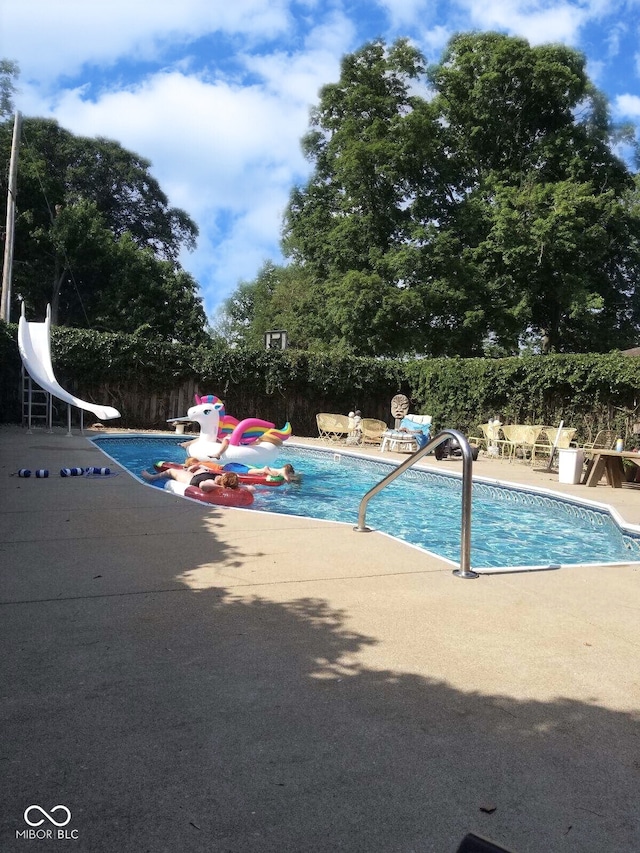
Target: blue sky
216, 93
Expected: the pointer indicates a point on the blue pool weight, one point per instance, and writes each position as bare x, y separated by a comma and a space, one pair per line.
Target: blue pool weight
42, 472
24, 472
103, 471
71, 472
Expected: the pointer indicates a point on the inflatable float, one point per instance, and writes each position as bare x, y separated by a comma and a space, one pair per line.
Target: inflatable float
220, 497
245, 478
251, 442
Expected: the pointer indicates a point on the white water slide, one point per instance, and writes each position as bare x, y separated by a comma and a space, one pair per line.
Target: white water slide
34, 343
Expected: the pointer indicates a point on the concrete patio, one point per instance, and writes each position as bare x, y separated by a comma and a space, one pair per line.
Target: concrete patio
188, 678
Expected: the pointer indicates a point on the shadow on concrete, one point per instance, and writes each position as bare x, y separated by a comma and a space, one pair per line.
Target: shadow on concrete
202, 721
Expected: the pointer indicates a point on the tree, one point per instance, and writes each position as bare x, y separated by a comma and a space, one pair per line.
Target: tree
9, 73
540, 198
89, 215
280, 297
374, 145
475, 201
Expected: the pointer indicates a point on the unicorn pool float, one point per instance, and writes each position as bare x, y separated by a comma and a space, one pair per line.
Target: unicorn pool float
224, 443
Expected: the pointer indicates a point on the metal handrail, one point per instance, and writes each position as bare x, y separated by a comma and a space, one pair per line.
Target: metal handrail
467, 464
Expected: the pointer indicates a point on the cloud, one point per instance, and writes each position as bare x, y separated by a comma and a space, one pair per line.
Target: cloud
226, 153
538, 22
627, 106
403, 13
224, 149
59, 38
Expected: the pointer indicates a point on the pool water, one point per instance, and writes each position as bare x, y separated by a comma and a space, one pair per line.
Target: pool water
510, 526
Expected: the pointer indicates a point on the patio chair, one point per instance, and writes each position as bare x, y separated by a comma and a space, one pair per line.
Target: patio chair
605, 440
550, 439
520, 437
372, 430
411, 435
493, 439
332, 427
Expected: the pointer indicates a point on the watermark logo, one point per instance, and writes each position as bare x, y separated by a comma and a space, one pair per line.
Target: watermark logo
47, 815
39, 819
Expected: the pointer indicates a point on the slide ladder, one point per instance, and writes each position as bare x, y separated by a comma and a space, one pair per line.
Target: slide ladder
37, 404
34, 343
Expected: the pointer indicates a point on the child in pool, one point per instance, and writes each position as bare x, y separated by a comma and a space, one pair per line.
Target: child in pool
286, 473
196, 475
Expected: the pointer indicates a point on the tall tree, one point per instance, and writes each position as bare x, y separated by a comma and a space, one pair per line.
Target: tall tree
540, 199
479, 201
280, 297
85, 207
375, 147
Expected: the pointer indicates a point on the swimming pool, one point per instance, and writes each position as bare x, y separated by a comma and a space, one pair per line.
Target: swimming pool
510, 527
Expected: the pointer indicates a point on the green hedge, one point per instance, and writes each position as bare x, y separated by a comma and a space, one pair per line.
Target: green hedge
589, 392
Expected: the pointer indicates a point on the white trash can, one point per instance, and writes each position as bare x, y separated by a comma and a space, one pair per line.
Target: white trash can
570, 464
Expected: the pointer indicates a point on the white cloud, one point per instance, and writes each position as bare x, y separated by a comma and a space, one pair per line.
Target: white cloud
56, 37
536, 20
627, 106
300, 75
403, 13
220, 151
434, 40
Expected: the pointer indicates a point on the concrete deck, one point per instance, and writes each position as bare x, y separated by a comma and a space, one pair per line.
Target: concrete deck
187, 678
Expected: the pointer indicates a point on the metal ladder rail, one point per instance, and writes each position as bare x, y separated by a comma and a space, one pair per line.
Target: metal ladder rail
31, 390
467, 464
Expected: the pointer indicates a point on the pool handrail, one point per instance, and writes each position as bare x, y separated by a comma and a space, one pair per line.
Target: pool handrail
467, 483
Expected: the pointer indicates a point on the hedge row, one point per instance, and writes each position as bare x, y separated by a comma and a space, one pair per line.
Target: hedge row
589, 392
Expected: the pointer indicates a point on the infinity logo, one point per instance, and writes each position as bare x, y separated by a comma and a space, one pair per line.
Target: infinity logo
49, 817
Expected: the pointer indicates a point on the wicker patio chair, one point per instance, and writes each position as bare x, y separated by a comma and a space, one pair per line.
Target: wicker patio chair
332, 427
493, 439
372, 430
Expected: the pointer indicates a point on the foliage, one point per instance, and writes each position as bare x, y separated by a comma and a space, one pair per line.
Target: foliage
116, 357
587, 391
96, 237
472, 206
9, 73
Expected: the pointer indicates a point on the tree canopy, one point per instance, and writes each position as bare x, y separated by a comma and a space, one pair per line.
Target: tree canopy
97, 238
474, 205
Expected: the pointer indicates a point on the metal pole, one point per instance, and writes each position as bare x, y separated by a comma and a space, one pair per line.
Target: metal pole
465, 570
29, 407
7, 267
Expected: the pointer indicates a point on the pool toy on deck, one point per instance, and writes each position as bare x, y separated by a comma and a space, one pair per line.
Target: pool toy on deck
216, 468
251, 442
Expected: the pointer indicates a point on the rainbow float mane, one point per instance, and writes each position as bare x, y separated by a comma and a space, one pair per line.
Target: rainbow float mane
247, 431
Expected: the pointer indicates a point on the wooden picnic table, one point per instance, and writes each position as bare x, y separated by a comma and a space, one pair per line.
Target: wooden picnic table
608, 462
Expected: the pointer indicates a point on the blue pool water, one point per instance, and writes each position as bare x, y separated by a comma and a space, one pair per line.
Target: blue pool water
510, 527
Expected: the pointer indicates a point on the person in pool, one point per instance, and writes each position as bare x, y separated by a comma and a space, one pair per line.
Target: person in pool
196, 475
286, 473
